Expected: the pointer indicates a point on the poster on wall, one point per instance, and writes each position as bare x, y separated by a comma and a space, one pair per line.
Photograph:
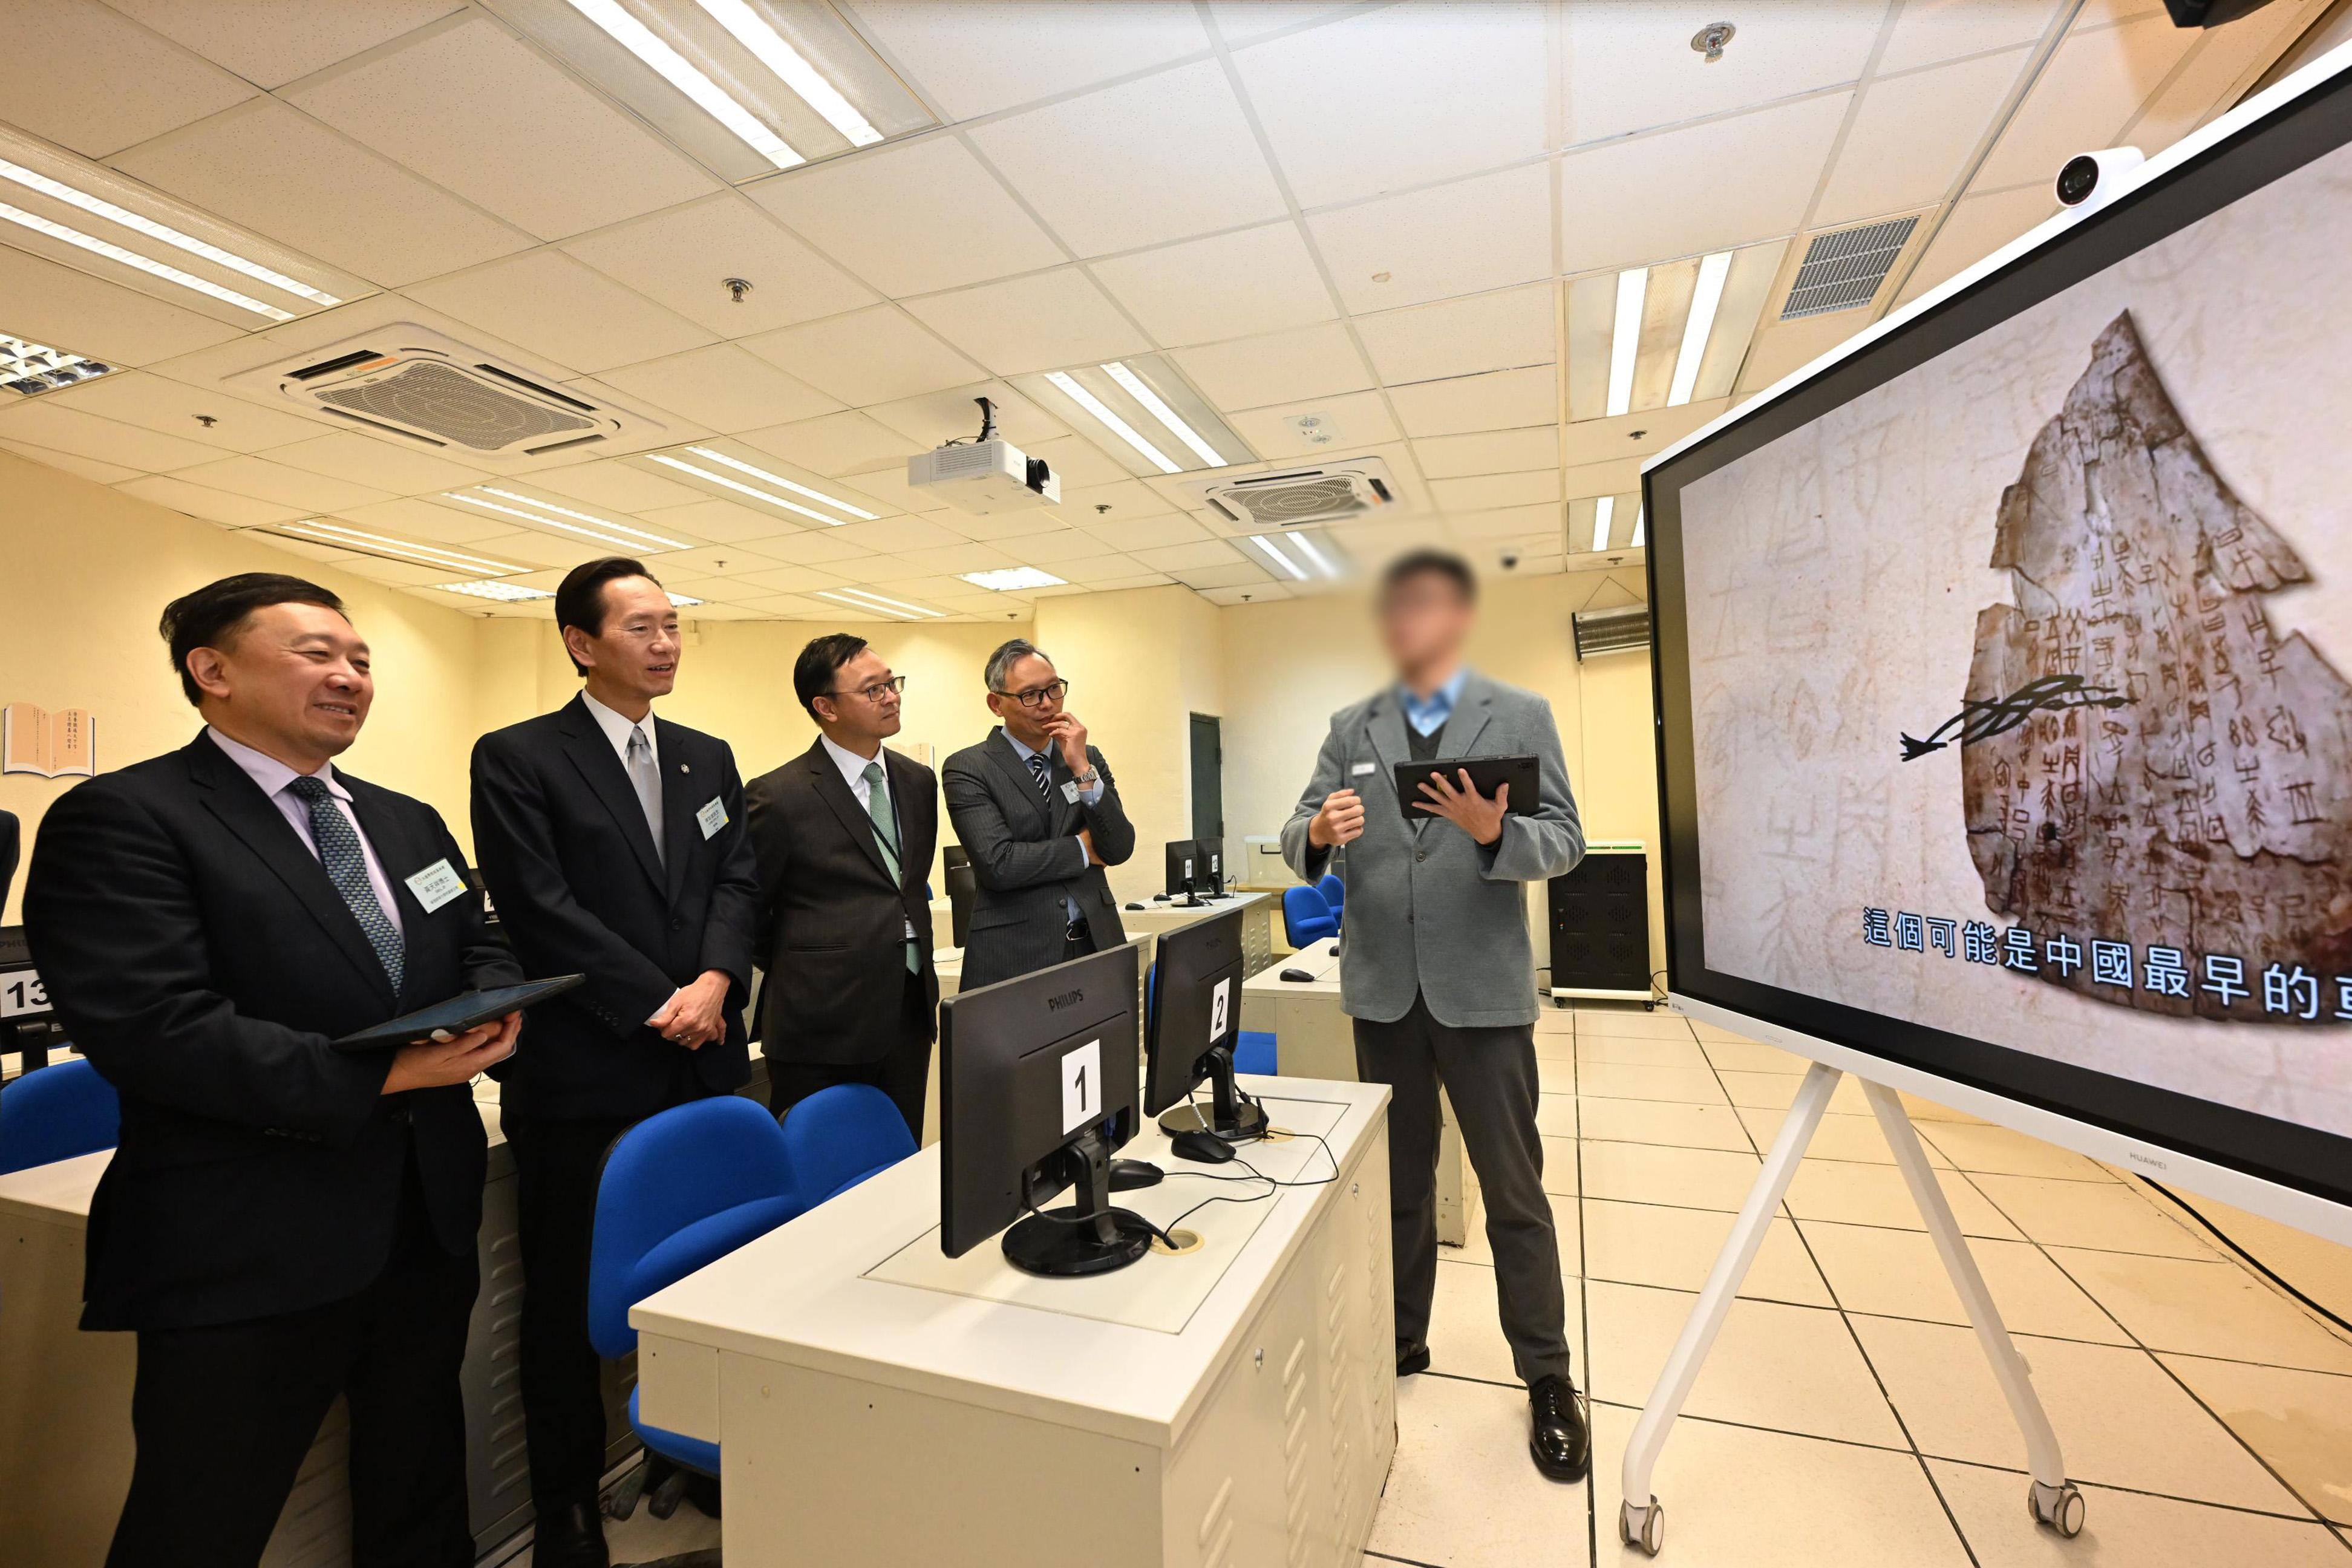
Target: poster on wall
63, 744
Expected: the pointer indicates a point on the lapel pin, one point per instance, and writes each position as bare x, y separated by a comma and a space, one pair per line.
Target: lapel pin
686, 767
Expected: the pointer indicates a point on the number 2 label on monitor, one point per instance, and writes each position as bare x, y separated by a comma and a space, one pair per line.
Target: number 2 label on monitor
1081, 1086
1219, 1005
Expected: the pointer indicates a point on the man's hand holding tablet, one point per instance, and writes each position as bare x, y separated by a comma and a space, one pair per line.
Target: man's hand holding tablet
446, 1058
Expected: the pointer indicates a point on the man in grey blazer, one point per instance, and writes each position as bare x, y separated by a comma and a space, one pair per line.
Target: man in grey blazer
1436, 968
1036, 809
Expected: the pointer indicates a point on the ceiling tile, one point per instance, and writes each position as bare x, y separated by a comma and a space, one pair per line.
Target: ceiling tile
814, 546
1912, 135
682, 258
273, 42
1927, 31
1005, 529
721, 522
1141, 533
953, 560
559, 550
1254, 594
281, 173
1076, 462
1643, 434
1464, 337
203, 501
477, 112
624, 487
370, 460
54, 304
552, 305
1360, 420
416, 519
890, 492
1724, 183
1096, 570
1628, 65
1103, 505
835, 444
2091, 88
791, 579
66, 463
1487, 492
1974, 230
43, 423
1039, 323
912, 218
716, 561
1232, 575
891, 533
68, 71
1228, 286
1499, 400
949, 415
1339, 140
1422, 240
722, 388
1281, 368
266, 480
1185, 557
1060, 547
1127, 192
973, 58
2204, 85
866, 356
157, 403
1498, 452
1540, 521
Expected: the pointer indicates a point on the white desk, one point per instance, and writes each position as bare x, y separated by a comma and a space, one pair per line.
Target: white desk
878, 1404
1155, 919
1313, 1038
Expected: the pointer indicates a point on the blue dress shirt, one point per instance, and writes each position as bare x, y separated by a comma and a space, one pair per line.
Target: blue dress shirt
1428, 714
1090, 796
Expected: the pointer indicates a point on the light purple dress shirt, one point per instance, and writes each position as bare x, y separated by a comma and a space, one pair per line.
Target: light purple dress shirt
273, 777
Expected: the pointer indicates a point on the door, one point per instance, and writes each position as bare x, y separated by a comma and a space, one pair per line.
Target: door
1208, 779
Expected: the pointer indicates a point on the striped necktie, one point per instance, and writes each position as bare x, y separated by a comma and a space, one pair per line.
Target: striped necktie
1037, 771
346, 862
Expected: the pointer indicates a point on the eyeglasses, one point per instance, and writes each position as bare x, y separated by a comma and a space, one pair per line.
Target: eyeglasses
1053, 691
876, 692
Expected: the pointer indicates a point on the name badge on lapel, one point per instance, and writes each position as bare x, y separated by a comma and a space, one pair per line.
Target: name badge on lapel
436, 885
1070, 791
1359, 770
712, 816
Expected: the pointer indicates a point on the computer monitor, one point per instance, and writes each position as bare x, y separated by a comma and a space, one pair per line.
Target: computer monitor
1183, 872
962, 887
1211, 865
1037, 1087
1193, 1009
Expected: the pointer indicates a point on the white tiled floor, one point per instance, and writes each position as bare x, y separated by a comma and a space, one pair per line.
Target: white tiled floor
1846, 1418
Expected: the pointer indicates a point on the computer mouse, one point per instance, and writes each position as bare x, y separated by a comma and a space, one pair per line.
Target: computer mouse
1135, 907
1298, 975
1206, 1148
1333, 950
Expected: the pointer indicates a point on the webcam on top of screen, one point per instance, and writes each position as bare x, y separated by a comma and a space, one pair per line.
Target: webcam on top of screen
2093, 179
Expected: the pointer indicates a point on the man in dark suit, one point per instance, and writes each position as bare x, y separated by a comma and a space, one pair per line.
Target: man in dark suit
844, 834
1036, 809
282, 1222
9, 841
612, 844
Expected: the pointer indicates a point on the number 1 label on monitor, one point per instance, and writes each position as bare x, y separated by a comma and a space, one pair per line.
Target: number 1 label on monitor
1220, 1002
1081, 1086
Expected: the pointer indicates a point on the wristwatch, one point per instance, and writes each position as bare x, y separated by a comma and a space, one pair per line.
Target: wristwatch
1088, 779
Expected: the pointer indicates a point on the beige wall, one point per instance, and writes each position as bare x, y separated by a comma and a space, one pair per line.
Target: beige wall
88, 571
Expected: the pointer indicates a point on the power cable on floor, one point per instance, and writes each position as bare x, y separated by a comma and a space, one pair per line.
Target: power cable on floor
2256, 1264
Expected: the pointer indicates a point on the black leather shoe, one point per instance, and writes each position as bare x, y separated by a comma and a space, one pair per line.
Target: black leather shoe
1558, 1436
570, 1535
1411, 1359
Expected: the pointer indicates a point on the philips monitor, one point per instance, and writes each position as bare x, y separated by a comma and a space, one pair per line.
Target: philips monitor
1209, 863
1191, 1018
1036, 1090
1183, 872
2004, 680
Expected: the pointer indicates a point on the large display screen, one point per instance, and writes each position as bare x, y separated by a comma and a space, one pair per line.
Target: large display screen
2005, 673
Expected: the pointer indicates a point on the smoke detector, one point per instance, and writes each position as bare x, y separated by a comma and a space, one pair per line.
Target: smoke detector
414, 383
1295, 497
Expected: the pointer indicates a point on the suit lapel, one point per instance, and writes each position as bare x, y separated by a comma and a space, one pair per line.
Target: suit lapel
915, 820
835, 791
248, 814
1384, 727
999, 751
592, 754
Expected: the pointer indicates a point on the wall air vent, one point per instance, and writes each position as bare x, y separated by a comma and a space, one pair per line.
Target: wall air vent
1844, 269
1295, 497
1620, 630
411, 381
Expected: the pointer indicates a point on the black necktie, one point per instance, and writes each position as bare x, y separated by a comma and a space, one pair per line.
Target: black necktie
346, 863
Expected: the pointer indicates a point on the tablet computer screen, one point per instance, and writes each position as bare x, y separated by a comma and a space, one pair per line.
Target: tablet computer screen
1487, 774
457, 1015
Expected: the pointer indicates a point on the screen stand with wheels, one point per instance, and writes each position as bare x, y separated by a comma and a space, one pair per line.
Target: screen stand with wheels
1089, 1237
1230, 1116
2053, 1499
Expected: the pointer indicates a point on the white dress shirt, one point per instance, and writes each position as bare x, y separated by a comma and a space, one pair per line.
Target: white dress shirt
616, 729
273, 777
853, 772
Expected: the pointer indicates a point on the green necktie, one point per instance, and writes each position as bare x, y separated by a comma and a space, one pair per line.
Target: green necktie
885, 834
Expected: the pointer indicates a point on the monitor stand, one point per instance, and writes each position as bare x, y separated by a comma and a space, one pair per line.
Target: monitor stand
1232, 1115
1089, 1237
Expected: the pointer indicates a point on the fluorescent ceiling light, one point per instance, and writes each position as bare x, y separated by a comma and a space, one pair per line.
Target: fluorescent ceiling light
431, 554
148, 265
680, 73
602, 533
1640, 515
741, 467
1322, 563
505, 592
1135, 387
1712, 271
1067, 385
1014, 577
752, 30
99, 207
1601, 510
741, 488
1625, 340
875, 603
682, 601
1274, 553
29, 367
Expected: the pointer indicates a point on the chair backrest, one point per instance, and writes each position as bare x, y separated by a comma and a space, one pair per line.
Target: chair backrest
1255, 1050
839, 1136
1334, 893
681, 1189
55, 1113
1305, 918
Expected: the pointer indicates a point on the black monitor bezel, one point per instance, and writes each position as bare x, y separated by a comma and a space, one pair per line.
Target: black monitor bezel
1155, 1014
1177, 851
2268, 148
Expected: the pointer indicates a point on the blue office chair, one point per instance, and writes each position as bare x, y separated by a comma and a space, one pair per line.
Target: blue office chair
681, 1189
1307, 919
1334, 893
56, 1112
839, 1136
1254, 1052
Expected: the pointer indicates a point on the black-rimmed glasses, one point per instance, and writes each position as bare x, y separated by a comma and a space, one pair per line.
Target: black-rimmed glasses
1053, 691
875, 692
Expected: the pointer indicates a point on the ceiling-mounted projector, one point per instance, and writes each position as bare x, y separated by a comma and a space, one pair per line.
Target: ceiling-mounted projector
986, 475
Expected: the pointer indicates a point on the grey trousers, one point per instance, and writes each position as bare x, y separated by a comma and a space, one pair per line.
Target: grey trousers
1490, 1076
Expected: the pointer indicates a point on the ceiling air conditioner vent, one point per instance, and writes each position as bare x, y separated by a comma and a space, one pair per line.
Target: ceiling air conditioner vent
1844, 269
1333, 492
1620, 630
412, 382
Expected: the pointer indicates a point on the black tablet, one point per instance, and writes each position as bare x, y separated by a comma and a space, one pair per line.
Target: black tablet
457, 1015
1487, 774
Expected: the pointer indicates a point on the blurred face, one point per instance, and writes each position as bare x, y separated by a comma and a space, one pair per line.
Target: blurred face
861, 709
633, 657
1424, 619
1029, 677
292, 681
